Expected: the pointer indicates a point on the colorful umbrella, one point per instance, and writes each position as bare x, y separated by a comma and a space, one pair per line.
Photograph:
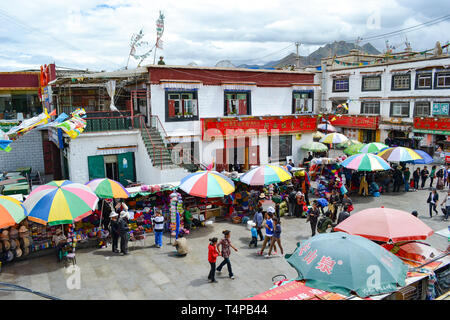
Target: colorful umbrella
207, 184
385, 224
318, 135
60, 202
399, 154
265, 175
108, 189
353, 149
426, 158
373, 147
342, 263
335, 138
348, 143
12, 212
326, 127
365, 162
314, 146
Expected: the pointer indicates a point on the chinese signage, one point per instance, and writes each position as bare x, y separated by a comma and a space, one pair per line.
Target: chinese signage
440, 109
432, 125
355, 122
252, 126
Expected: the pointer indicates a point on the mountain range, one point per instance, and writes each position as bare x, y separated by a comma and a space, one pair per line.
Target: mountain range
336, 48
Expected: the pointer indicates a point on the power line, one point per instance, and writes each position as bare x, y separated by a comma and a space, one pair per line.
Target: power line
260, 58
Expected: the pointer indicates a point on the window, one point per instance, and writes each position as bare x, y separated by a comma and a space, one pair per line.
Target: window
423, 80
442, 80
371, 83
26, 104
237, 103
181, 105
422, 109
372, 107
302, 102
340, 85
401, 82
280, 147
399, 109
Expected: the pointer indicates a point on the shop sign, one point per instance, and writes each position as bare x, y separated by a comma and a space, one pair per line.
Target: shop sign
355, 122
436, 125
432, 131
55, 135
440, 109
252, 126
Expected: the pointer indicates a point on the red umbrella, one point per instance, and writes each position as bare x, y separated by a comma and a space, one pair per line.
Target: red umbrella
412, 250
385, 224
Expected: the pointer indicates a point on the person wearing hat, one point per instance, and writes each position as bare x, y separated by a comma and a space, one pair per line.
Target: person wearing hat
123, 232
60, 240
114, 230
258, 220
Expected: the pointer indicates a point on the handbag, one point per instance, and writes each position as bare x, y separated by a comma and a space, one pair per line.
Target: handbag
350, 208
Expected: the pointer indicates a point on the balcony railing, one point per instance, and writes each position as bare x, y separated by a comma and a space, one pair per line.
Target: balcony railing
104, 121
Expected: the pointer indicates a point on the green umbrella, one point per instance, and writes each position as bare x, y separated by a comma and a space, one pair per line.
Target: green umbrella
373, 147
353, 149
314, 146
348, 143
343, 263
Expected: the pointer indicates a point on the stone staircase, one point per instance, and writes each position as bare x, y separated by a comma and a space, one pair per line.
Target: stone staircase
158, 151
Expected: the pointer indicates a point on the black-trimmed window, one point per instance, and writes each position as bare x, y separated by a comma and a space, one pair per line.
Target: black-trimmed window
424, 80
442, 80
371, 83
399, 109
237, 103
283, 144
302, 101
181, 105
401, 82
370, 107
422, 109
341, 85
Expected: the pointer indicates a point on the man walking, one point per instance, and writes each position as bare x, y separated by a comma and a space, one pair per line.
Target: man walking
313, 216
447, 205
114, 229
258, 220
398, 179
292, 200
406, 176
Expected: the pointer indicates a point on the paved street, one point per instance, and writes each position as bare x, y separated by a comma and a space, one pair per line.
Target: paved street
151, 273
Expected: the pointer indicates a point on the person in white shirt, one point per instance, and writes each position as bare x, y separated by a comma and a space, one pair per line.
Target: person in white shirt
158, 228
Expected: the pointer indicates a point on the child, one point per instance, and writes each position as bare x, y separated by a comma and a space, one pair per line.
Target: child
254, 240
213, 253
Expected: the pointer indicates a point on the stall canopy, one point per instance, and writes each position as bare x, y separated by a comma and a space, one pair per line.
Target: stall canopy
399, 154
365, 162
265, 175
12, 212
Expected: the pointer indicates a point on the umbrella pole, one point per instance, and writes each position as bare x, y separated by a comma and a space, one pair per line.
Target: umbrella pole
101, 214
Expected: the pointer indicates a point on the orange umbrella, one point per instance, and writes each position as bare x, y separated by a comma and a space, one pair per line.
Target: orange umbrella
385, 224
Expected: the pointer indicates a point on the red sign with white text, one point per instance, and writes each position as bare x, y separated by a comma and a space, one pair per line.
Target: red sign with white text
254, 125
360, 122
432, 124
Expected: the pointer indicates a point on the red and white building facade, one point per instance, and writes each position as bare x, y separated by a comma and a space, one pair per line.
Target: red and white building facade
235, 116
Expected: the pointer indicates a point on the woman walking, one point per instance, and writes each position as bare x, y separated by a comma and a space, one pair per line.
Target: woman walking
433, 199
213, 253
313, 216
276, 237
225, 244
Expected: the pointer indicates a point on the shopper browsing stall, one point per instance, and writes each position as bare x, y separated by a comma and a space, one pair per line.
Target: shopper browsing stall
60, 241
158, 223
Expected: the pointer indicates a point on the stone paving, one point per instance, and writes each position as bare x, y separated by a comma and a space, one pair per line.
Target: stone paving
152, 273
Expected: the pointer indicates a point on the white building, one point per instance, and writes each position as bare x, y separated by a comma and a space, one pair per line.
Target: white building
406, 99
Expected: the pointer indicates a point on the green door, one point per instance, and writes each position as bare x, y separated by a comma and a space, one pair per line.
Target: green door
126, 168
96, 167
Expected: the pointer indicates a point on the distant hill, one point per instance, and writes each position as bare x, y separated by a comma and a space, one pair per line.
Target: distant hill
336, 48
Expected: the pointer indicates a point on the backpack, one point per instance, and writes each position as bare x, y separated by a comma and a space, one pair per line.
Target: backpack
320, 223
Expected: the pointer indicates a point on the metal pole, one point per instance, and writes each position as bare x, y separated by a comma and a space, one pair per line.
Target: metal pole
297, 58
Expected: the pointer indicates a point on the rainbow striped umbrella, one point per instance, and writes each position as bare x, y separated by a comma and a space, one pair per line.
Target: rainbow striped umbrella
108, 189
60, 202
373, 147
265, 175
207, 184
365, 162
399, 154
12, 212
334, 138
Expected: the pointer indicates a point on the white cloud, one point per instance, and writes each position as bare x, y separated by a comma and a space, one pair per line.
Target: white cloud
95, 34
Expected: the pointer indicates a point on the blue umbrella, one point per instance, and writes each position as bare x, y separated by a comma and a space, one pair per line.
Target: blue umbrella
426, 158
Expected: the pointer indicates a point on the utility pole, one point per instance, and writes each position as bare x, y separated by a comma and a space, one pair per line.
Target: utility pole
297, 58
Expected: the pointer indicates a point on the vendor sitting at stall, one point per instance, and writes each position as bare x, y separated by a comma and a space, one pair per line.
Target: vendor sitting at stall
187, 218
60, 241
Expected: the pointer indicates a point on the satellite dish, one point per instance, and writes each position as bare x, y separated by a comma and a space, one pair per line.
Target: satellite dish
192, 64
225, 64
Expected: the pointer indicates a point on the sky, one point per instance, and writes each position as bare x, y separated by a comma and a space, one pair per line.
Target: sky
96, 35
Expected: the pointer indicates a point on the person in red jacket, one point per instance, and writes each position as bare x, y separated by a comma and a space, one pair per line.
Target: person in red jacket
213, 253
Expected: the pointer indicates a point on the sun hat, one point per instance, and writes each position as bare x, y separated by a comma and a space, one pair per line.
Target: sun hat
18, 252
270, 210
262, 195
9, 256
113, 214
124, 214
